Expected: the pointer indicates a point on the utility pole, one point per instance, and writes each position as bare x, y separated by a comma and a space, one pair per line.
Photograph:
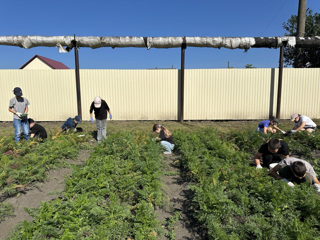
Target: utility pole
301, 27
302, 18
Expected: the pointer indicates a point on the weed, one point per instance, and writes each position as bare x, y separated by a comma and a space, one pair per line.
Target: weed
171, 225
6, 209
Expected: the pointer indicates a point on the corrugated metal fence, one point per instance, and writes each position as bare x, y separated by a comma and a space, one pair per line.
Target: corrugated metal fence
210, 94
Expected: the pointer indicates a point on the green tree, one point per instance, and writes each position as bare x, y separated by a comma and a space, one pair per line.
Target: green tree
249, 66
303, 57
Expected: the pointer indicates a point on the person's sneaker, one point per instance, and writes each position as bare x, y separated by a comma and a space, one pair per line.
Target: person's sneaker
167, 153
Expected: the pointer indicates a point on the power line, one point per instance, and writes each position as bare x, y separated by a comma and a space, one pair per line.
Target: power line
274, 16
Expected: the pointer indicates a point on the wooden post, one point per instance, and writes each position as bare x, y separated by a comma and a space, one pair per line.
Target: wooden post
183, 48
76, 56
302, 18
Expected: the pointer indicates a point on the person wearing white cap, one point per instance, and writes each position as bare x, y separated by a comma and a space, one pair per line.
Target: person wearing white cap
101, 110
19, 107
302, 122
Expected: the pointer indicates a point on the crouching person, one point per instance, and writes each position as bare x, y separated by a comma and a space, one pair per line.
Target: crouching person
70, 124
302, 123
272, 151
165, 138
295, 170
269, 125
36, 130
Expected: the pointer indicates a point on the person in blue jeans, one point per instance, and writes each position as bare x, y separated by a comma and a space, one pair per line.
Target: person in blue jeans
165, 137
19, 107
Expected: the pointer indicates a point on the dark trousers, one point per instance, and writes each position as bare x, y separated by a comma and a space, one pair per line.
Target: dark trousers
268, 159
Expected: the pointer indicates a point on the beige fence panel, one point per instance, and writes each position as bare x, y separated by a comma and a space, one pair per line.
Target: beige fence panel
230, 93
301, 92
210, 94
132, 94
51, 93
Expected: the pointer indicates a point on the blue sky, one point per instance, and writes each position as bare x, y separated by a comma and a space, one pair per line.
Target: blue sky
153, 18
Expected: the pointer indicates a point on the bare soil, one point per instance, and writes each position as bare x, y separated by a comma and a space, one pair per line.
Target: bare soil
177, 192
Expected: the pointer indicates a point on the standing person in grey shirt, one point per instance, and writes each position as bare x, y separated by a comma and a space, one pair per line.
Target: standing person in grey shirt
19, 107
101, 110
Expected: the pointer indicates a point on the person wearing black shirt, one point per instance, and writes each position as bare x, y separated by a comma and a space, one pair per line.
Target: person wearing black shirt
165, 137
272, 151
36, 130
101, 110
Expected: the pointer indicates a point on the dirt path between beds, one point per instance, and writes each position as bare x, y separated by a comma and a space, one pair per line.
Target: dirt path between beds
178, 223
39, 192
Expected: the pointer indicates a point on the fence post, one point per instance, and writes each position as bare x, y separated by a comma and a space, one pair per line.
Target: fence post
183, 48
76, 56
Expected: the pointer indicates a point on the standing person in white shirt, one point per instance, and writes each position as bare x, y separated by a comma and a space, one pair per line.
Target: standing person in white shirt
302, 122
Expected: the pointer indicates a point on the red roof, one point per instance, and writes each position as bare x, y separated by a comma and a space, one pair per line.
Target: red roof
51, 63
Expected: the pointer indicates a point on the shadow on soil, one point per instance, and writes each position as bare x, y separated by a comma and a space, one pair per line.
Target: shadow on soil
180, 202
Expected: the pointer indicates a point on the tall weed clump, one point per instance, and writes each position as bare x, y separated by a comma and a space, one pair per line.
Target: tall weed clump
233, 200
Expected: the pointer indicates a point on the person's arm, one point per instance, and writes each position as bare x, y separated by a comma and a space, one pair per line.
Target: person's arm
284, 150
108, 109
257, 158
283, 156
11, 110
26, 109
265, 130
161, 135
32, 131
278, 129
91, 110
316, 180
14, 112
300, 127
274, 172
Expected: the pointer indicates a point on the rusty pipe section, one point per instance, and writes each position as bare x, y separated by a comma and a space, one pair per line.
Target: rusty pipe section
64, 43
